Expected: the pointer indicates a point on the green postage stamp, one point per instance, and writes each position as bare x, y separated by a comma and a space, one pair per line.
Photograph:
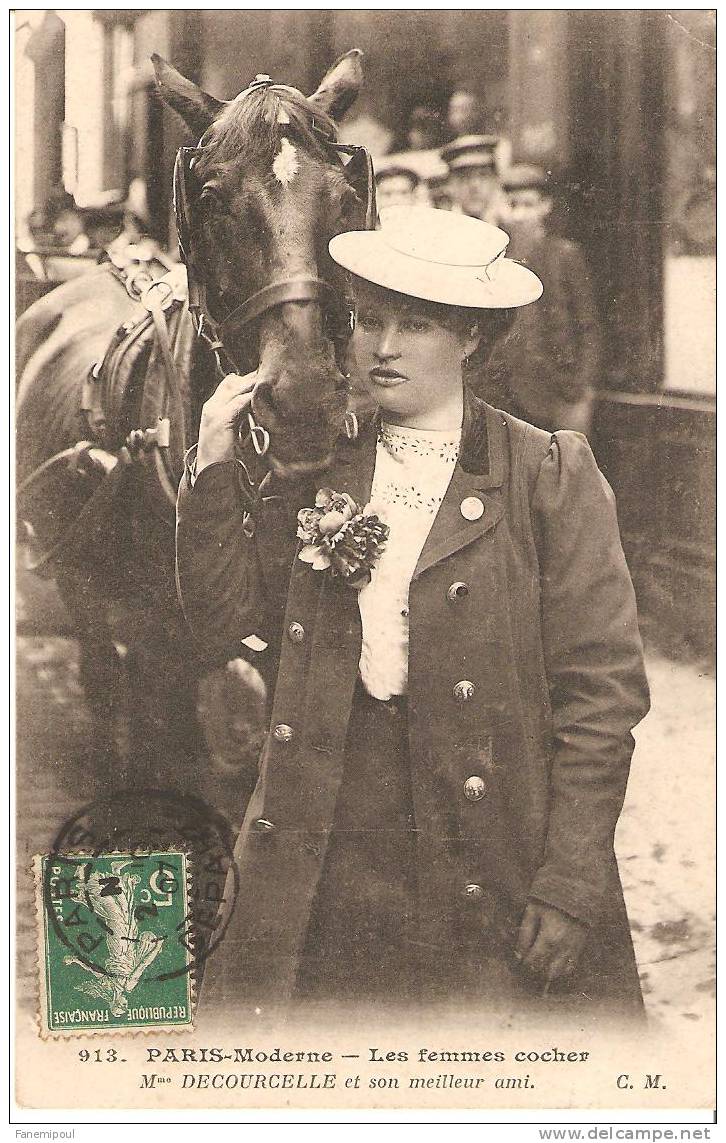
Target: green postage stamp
115, 942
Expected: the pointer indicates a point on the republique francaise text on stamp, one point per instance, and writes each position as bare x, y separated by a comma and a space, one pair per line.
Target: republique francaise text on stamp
115, 942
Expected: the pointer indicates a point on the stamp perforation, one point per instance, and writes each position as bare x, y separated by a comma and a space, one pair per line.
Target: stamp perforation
47, 1029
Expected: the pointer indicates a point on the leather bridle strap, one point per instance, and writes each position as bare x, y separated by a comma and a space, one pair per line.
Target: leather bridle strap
277, 294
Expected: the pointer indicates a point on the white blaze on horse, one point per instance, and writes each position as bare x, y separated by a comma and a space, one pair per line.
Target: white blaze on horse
114, 369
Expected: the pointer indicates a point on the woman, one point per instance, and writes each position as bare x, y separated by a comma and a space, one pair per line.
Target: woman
459, 669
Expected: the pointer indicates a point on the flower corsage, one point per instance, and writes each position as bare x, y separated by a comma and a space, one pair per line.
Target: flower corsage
339, 536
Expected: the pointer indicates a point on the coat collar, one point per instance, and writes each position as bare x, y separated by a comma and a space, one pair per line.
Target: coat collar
482, 454
479, 473
482, 443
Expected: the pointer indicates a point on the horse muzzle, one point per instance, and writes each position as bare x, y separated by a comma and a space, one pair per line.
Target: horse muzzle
300, 434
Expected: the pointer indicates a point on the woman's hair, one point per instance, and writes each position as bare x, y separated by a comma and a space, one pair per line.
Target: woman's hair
492, 325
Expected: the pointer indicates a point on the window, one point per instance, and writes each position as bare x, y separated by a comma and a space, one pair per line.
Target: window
689, 270
83, 128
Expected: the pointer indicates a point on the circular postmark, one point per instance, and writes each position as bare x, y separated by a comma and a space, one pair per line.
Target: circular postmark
141, 881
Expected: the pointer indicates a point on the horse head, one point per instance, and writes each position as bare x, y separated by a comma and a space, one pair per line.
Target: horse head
257, 201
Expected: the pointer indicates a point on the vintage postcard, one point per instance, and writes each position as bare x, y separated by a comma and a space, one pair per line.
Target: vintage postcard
365, 500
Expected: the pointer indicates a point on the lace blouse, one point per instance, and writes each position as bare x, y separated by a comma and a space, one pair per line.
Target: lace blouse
412, 473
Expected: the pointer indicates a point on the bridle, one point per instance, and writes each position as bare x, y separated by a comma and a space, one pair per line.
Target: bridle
218, 332
158, 296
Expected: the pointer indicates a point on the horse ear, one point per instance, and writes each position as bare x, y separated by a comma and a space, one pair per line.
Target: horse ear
197, 109
339, 90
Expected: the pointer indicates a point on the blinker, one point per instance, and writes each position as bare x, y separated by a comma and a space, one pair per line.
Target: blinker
359, 174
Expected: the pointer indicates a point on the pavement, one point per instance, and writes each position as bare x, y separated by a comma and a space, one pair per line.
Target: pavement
666, 844
665, 840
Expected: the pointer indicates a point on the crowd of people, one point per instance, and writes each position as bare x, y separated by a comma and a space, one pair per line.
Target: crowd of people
547, 370
63, 224
62, 238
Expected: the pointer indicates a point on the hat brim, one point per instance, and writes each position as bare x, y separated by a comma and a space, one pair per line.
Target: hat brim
473, 163
503, 285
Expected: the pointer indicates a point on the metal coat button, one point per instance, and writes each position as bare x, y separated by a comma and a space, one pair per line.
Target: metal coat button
475, 788
264, 825
473, 892
283, 732
464, 690
457, 590
472, 508
296, 632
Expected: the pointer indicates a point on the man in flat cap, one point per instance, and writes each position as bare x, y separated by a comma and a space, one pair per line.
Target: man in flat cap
473, 176
546, 372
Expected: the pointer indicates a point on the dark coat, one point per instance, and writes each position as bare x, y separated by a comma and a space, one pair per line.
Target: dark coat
548, 636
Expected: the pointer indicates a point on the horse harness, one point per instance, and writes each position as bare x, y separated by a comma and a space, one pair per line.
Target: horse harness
216, 332
89, 474
161, 297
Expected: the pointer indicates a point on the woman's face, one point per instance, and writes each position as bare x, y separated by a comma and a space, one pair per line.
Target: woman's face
407, 358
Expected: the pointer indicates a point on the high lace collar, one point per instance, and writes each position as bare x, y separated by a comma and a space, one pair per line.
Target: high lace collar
401, 442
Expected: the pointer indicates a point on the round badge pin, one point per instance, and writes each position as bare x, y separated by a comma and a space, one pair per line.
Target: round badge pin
472, 508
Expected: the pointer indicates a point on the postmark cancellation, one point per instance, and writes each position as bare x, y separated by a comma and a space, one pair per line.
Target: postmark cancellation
115, 942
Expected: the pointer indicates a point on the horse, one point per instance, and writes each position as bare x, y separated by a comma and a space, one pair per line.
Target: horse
114, 370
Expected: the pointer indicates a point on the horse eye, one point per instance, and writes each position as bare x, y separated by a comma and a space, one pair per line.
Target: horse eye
209, 198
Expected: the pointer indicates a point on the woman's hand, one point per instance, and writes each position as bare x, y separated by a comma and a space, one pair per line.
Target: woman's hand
550, 943
220, 414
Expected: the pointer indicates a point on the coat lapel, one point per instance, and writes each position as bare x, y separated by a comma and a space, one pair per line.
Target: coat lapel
474, 486
451, 530
478, 476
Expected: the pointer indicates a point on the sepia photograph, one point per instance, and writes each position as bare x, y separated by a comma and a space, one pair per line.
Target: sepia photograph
365, 434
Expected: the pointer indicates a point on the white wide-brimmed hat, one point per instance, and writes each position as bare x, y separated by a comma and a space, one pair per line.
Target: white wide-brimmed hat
440, 257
